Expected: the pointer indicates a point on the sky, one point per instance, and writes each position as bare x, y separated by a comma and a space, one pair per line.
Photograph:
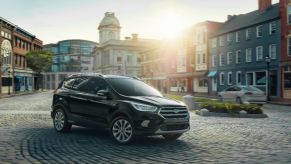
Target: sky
55, 20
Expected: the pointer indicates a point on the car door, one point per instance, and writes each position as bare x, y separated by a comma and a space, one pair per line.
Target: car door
98, 106
227, 94
78, 96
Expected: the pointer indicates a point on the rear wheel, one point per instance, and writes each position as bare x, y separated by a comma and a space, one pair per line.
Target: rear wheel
238, 100
122, 130
172, 137
60, 121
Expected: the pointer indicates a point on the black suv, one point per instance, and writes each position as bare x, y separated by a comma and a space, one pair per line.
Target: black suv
123, 105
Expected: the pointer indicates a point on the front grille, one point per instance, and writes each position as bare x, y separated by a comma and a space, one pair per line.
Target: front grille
174, 112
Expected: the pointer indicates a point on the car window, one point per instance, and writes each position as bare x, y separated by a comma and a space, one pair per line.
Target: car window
229, 89
132, 87
80, 84
236, 89
68, 83
96, 84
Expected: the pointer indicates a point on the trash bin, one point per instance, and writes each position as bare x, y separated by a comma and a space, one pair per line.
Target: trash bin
189, 102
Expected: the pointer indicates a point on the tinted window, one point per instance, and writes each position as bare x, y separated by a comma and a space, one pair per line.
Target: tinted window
96, 84
229, 89
69, 83
133, 87
80, 84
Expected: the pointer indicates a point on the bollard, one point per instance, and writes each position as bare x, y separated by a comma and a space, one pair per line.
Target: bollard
189, 102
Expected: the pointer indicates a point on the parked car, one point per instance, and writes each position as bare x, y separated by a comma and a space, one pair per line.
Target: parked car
125, 106
243, 95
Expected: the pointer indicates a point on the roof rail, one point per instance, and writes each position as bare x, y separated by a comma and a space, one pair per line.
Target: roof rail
86, 74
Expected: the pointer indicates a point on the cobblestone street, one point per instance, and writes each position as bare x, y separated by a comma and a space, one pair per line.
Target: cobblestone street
27, 136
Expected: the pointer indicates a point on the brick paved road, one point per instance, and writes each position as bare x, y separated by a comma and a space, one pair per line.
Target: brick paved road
27, 136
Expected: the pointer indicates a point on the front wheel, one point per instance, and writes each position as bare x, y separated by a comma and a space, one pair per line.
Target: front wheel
171, 137
122, 130
60, 121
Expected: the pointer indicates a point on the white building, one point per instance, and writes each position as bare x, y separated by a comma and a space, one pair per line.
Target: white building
116, 56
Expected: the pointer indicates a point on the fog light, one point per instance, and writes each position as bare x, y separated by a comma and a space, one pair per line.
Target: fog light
145, 123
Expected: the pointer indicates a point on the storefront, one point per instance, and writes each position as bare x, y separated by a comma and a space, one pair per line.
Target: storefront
181, 83
23, 80
287, 82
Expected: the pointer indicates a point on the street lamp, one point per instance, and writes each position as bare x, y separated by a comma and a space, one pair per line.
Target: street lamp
268, 61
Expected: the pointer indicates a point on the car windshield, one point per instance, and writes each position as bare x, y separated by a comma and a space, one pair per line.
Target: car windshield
132, 87
251, 88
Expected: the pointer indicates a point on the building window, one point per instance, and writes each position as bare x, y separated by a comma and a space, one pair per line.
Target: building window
289, 14
259, 51
272, 51
203, 83
248, 34
238, 57
221, 41
289, 46
248, 55
238, 78
2, 33
272, 28
237, 37
221, 78
214, 42
221, 60
260, 78
119, 59
250, 79
229, 78
229, 38
214, 60
259, 31
229, 58
287, 77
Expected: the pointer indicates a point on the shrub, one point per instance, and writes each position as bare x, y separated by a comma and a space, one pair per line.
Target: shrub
222, 107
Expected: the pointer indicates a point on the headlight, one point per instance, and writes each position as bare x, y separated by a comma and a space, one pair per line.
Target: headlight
144, 107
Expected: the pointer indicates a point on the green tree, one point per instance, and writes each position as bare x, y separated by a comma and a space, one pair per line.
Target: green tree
39, 61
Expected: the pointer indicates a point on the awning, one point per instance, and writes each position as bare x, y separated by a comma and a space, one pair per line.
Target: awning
212, 73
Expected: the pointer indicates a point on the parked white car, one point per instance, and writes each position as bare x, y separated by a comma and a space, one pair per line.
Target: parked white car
243, 95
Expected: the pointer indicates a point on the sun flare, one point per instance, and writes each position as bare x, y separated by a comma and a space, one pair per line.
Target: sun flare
171, 25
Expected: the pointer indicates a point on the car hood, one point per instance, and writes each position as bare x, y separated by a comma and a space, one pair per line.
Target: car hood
160, 101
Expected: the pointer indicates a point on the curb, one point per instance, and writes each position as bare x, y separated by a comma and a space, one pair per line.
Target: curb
21, 94
235, 115
279, 103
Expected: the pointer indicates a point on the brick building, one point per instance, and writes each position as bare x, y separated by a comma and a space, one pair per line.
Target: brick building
15, 43
285, 14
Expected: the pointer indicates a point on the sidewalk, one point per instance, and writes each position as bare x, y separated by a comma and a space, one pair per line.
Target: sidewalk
5, 95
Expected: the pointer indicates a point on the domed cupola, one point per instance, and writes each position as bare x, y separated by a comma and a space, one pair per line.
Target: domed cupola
109, 28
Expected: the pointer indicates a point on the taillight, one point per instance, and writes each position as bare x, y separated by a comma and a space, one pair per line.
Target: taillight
248, 93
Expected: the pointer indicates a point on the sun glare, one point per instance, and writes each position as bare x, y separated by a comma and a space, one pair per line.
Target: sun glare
171, 25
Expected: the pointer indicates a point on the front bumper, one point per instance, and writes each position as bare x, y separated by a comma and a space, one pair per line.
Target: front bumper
159, 125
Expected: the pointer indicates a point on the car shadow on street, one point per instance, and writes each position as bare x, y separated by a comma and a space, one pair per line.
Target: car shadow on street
86, 143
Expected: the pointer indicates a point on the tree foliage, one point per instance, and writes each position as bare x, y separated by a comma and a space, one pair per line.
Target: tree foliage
39, 61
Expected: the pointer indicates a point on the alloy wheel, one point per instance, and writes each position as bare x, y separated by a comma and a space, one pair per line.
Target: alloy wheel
59, 120
122, 130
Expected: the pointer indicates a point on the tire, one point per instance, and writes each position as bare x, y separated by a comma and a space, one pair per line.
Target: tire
238, 100
60, 121
122, 130
172, 137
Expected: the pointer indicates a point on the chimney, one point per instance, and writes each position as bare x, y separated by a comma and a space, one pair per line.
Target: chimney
134, 37
264, 4
229, 17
